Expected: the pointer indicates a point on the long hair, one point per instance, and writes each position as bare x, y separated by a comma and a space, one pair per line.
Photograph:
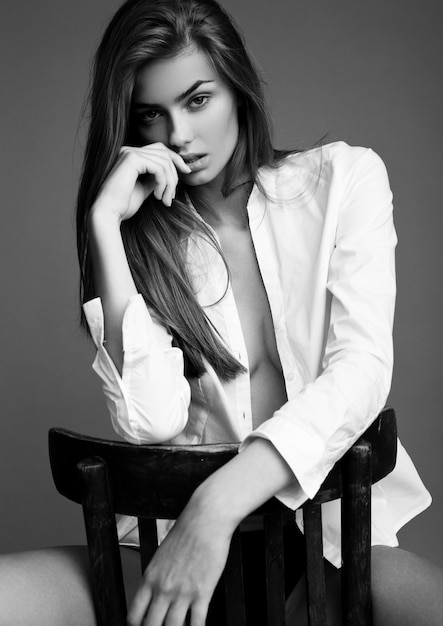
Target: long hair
140, 31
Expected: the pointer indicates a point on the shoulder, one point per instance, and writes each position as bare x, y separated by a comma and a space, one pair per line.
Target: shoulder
330, 159
335, 164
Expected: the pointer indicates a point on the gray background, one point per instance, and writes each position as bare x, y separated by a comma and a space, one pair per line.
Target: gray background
366, 72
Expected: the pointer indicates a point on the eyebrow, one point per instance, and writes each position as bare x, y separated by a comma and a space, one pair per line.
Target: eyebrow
182, 96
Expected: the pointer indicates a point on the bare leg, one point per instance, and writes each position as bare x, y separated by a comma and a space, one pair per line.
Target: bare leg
407, 590
51, 586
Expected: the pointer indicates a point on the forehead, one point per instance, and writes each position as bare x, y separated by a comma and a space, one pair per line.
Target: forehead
162, 81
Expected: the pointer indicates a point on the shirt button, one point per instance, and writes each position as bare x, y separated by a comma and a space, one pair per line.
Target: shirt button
290, 376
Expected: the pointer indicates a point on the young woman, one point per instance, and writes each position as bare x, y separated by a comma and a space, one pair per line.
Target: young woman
234, 293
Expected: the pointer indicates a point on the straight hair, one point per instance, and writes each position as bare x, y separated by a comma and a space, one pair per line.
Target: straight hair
143, 31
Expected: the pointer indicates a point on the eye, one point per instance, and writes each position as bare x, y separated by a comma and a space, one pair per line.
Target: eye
149, 116
198, 102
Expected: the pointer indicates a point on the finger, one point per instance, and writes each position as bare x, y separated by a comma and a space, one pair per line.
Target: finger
165, 175
161, 184
172, 181
175, 158
199, 613
152, 163
156, 161
173, 163
180, 164
177, 614
156, 612
139, 606
157, 167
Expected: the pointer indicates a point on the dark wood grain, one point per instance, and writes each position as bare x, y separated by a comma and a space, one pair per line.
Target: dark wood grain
275, 574
233, 583
315, 571
104, 553
157, 481
356, 537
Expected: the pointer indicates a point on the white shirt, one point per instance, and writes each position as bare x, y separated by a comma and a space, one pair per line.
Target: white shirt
324, 239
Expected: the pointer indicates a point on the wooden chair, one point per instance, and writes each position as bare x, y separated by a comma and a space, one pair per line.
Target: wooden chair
150, 482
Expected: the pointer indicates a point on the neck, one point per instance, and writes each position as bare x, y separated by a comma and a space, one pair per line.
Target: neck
221, 211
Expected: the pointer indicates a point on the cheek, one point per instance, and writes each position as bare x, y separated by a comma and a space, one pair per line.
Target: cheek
232, 128
148, 138
153, 135
224, 125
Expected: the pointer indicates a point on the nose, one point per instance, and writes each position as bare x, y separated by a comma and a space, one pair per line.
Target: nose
180, 131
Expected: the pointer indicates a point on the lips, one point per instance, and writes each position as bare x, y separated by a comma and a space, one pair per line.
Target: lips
191, 158
195, 161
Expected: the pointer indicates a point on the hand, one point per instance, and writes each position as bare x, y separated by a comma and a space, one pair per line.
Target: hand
138, 173
183, 573
187, 566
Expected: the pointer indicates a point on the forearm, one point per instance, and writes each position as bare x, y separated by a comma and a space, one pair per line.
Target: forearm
185, 569
243, 484
112, 277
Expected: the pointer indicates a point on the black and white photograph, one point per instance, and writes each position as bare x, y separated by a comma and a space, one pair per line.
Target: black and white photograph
221, 331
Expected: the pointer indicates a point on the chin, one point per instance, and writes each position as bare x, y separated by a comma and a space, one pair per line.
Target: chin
199, 178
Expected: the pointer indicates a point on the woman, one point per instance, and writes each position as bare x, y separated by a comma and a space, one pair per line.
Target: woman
234, 293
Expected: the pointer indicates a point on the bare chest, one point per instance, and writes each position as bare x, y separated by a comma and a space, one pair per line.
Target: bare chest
251, 299
267, 385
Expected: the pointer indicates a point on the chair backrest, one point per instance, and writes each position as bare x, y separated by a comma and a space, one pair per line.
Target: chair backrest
156, 481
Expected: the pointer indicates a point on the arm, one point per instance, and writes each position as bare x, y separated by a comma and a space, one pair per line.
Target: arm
129, 341
148, 402
187, 565
324, 416
112, 277
119, 199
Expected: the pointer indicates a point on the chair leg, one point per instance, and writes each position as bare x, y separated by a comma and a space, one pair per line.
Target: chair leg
275, 575
147, 529
104, 553
315, 568
356, 536
233, 583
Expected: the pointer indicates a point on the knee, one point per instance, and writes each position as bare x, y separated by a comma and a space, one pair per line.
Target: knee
48, 587
406, 589
10, 583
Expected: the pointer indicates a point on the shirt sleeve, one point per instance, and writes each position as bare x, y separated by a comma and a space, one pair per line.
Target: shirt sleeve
320, 423
149, 402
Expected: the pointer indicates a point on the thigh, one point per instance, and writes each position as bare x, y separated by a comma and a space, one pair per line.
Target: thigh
52, 586
406, 589
49, 586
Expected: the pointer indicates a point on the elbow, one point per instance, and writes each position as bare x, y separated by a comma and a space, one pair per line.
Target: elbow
381, 365
147, 430
363, 378
143, 428
378, 375
141, 423
366, 360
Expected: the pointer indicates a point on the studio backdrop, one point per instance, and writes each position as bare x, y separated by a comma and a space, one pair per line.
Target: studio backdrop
368, 73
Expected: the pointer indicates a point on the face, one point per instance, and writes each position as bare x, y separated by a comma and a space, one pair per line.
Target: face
185, 104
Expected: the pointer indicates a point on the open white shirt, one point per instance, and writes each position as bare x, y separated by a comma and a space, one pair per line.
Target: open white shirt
324, 239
